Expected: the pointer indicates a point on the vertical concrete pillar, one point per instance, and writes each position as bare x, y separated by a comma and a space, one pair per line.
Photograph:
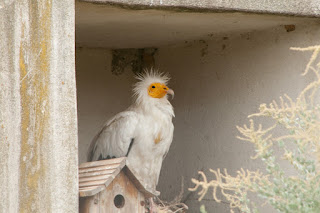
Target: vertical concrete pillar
38, 120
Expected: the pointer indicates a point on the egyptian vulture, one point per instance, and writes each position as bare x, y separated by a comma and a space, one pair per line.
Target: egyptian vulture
143, 133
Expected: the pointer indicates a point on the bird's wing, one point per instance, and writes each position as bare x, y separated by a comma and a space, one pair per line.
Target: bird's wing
170, 138
115, 138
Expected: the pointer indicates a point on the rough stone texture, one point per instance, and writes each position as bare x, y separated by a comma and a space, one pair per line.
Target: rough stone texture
289, 7
38, 119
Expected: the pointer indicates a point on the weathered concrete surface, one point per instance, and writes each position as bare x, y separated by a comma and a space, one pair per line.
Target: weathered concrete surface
38, 120
288, 7
113, 27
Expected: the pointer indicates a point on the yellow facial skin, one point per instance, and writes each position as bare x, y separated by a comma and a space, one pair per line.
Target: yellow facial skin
157, 90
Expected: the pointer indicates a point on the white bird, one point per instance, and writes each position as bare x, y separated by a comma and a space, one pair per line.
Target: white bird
143, 133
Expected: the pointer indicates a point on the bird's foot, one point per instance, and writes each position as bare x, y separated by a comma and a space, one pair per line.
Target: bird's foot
152, 206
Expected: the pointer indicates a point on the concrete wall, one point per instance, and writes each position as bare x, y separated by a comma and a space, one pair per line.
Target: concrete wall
38, 120
217, 82
222, 84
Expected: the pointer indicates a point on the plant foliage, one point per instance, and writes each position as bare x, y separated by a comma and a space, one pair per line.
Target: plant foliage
299, 144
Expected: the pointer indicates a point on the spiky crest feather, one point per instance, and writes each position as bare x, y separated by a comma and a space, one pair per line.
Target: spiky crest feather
146, 78
140, 92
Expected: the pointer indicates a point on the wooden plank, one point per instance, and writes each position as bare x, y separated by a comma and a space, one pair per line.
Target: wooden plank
147, 192
103, 162
91, 192
122, 186
89, 174
98, 168
105, 182
115, 165
86, 188
88, 204
92, 183
94, 178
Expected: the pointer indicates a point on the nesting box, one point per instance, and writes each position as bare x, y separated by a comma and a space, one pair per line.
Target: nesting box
110, 186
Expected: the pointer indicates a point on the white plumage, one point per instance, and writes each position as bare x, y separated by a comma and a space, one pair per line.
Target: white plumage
143, 132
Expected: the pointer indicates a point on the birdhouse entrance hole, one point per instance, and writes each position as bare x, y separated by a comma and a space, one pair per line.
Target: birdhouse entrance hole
119, 201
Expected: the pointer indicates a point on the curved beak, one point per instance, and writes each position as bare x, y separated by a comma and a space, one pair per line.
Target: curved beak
170, 92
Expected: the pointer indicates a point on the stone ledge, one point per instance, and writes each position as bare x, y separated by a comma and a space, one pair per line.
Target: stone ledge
304, 8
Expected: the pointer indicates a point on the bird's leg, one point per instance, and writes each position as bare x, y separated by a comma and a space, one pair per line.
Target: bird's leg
152, 206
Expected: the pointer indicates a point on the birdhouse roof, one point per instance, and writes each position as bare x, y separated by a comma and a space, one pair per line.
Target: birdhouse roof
97, 175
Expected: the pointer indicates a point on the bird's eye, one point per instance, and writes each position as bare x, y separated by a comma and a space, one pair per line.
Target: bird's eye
153, 87
164, 88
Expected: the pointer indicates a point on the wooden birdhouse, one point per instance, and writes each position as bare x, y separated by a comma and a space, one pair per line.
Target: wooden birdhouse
109, 186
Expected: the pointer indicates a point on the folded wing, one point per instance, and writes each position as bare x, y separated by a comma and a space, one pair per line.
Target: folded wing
116, 137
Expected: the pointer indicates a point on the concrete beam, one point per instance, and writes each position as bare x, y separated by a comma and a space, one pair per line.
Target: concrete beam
310, 8
38, 120
113, 27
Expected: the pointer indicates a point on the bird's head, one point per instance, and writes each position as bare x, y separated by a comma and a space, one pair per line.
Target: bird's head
159, 90
152, 85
